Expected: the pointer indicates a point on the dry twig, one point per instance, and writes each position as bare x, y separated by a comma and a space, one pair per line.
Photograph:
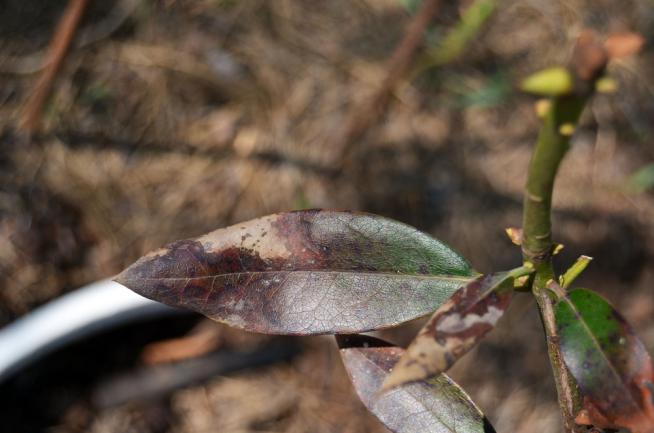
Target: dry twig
362, 116
57, 53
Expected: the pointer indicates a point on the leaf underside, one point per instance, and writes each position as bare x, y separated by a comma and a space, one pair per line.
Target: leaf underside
437, 405
456, 327
610, 364
304, 272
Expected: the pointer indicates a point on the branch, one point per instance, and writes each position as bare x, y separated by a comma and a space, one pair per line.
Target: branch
362, 116
56, 55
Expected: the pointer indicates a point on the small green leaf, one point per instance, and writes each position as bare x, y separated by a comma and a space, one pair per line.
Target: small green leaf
610, 364
410, 5
456, 327
642, 180
437, 405
574, 271
472, 21
553, 81
304, 272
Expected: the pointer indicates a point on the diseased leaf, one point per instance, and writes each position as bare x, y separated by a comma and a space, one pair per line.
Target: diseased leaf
437, 405
610, 364
456, 327
304, 272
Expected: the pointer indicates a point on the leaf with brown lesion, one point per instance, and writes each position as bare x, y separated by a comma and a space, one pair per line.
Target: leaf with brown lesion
305, 272
456, 327
610, 364
437, 405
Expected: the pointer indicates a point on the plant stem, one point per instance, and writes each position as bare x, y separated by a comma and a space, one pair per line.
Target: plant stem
589, 60
550, 150
537, 237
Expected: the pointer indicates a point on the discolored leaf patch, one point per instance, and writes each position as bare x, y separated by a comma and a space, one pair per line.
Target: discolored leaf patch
437, 405
456, 327
305, 272
610, 364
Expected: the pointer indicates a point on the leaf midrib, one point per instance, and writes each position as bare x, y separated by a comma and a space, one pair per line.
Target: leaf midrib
462, 279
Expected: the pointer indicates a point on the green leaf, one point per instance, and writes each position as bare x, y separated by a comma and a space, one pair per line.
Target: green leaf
610, 364
574, 271
642, 180
410, 5
456, 327
554, 81
471, 92
437, 405
304, 272
472, 21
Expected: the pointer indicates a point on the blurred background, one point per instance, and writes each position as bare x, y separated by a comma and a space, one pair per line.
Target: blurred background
170, 118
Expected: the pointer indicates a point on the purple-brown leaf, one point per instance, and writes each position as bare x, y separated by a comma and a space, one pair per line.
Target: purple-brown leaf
437, 405
305, 272
456, 327
612, 368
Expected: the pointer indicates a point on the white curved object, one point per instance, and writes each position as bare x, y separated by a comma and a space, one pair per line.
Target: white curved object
87, 310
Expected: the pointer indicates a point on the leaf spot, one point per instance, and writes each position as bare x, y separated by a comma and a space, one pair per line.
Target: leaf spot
455, 323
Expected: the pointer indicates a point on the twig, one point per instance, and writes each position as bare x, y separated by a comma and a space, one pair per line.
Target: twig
455, 42
92, 33
57, 52
362, 116
203, 339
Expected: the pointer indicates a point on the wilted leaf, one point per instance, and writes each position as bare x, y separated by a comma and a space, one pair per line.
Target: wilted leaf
437, 405
642, 180
610, 364
456, 327
305, 272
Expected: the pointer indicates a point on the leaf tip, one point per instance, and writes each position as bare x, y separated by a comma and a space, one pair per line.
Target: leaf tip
557, 248
403, 373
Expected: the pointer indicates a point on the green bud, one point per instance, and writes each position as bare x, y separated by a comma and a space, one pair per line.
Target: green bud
554, 81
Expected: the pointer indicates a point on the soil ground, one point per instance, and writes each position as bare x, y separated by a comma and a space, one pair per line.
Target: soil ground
172, 118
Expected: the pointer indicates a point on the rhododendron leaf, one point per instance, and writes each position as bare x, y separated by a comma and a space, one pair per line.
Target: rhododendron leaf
305, 272
610, 364
456, 327
436, 405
